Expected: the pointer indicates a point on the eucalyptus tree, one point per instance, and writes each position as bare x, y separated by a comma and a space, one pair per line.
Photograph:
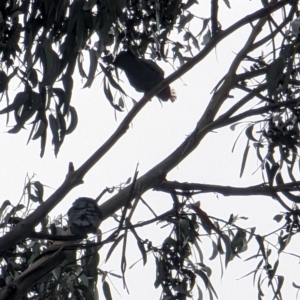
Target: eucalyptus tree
43, 45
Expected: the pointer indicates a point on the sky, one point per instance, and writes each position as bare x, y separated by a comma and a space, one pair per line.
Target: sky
153, 135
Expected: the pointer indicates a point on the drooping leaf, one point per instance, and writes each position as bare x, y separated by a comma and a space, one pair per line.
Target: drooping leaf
204, 26
3, 81
107, 92
92, 69
215, 251
40, 130
159, 272
206, 38
296, 285
219, 245
33, 77
72, 114
205, 220
258, 147
274, 75
252, 231
271, 172
280, 280
245, 155
4, 205
55, 135
61, 96
200, 294
239, 240
61, 125
44, 138
111, 80
39, 188
249, 133
51, 63
68, 87
228, 251
13, 211
27, 110
227, 3
278, 218
19, 100
114, 245
260, 241
143, 251
195, 42
32, 129
109, 95
80, 66
203, 276
183, 20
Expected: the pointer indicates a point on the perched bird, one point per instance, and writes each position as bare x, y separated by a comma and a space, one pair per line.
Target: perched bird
143, 74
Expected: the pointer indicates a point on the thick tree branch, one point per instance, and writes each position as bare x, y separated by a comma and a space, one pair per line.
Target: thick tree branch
254, 190
189, 189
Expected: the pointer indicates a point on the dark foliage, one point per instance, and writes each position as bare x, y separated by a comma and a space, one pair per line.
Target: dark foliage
57, 34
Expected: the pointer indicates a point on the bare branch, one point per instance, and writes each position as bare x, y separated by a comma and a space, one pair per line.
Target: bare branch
253, 112
256, 190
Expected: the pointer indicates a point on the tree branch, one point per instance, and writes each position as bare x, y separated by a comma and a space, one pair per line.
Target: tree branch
256, 92
256, 190
250, 75
253, 112
251, 94
276, 31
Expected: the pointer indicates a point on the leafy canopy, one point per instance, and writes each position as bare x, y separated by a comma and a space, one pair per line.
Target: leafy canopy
56, 259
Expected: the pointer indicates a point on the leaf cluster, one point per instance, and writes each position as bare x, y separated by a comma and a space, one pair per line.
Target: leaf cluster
57, 35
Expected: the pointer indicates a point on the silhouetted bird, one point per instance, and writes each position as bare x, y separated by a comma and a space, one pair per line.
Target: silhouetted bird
143, 74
